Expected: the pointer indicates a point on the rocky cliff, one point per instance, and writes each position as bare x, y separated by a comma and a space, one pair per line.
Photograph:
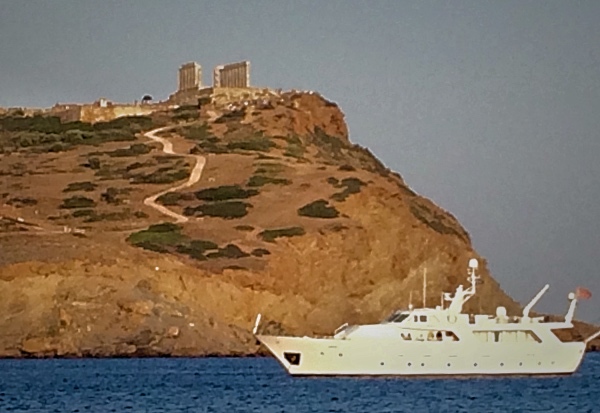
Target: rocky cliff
288, 219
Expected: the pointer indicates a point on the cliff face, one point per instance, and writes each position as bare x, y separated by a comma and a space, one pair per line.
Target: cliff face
288, 219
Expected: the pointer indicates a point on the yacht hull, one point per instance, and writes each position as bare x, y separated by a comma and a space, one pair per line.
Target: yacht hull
307, 356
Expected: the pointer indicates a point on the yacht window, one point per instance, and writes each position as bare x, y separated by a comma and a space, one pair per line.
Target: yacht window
398, 318
416, 319
423, 318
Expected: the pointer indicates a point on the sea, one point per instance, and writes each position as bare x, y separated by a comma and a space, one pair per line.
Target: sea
181, 385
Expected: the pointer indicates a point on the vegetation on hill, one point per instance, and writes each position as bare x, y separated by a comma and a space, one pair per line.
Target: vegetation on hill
318, 209
48, 134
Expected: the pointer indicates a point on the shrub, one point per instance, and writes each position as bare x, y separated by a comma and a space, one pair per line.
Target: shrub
111, 196
269, 168
83, 213
134, 150
164, 227
203, 245
259, 180
225, 210
255, 143
229, 251
21, 201
196, 248
197, 133
169, 199
158, 237
244, 228
161, 176
80, 186
269, 235
352, 186
140, 214
226, 192
77, 202
294, 151
259, 252
318, 209
347, 168
93, 163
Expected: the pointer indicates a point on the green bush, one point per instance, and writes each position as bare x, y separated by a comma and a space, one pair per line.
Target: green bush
197, 133
111, 195
80, 186
93, 163
259, 252
350, 185
229, 251
270, 235
161, 176
133, 150
260, 180
255, 143
318, 209
347, 168
83, 213
22, 201
77, 202
226, 192
158, 237
226, 210
244, 228
196, 248
169, 199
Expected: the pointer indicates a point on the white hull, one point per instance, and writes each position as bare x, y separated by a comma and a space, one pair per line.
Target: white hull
389, 357
437, 342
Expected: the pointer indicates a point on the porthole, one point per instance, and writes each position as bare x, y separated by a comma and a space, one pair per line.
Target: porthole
322, 353
501, 364
552, 363
340, 354
475, 364
520, 364
539, 363
449, 364
422, 364
409, 364
381, 363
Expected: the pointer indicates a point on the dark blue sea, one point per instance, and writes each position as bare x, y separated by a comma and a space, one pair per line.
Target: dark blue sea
261, 385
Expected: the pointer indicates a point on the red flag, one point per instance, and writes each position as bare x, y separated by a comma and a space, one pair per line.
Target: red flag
582, 293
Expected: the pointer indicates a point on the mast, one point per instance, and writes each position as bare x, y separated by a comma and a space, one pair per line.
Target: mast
425, 287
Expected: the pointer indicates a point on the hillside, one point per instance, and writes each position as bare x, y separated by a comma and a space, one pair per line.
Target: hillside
288, 218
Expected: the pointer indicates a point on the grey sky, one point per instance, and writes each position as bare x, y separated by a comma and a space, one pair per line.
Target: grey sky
491, 109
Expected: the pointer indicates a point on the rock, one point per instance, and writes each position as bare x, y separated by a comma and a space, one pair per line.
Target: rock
173, 332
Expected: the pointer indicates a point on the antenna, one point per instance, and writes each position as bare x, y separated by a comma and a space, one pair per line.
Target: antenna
410, 306
425, 287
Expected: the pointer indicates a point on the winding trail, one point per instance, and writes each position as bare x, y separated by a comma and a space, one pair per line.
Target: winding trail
195, 175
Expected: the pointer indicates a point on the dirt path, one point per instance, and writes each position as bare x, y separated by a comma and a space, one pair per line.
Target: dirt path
194, 176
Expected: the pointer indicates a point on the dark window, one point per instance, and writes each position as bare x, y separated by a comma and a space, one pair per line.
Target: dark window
292, 358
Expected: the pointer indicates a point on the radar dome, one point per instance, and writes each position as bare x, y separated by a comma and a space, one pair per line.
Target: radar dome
473, 263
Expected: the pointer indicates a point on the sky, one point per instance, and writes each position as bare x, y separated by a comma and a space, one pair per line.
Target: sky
489, 108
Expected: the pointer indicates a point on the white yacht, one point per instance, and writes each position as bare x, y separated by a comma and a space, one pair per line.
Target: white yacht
439, 341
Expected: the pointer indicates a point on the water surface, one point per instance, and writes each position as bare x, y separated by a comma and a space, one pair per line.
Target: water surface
261, 385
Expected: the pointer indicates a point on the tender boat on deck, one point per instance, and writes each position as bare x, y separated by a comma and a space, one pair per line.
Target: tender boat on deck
437, 342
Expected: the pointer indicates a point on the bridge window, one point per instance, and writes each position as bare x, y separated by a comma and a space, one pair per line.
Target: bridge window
423, 319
